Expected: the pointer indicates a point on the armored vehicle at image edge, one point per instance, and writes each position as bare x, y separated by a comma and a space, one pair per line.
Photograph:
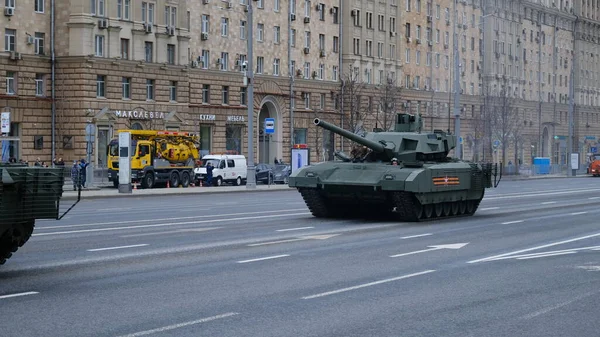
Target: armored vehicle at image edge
406, 173
27, 194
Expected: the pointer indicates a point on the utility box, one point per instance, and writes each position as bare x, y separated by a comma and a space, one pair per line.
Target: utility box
541, 165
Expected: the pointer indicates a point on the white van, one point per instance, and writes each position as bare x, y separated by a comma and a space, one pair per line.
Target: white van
227, 169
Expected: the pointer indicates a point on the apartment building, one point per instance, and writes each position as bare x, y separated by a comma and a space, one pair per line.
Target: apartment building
163, 64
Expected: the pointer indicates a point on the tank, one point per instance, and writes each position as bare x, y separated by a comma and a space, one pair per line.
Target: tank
27, 194
405, 174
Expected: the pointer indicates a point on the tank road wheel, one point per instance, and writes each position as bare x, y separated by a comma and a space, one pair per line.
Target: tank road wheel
13, 238
447, 209
174, 179
454, 207
427, 211
462, 207
315, 202
406, 206
148, 180
438, 209
470, 208
185, 179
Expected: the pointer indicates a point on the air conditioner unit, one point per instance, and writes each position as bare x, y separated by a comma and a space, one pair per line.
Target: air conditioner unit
194, 64
354, 12
293, 17
445, 46
306, 50
30, 39
204, 36
331, 10
229, 4
408, 39
318, 7
418, 41
314, 74
392, 33
148, 27
447, 22
15, 56
103, 23
430, 43
298, 72
306, 19
429, 18
205, 1
9, 11
322, 53
171, 30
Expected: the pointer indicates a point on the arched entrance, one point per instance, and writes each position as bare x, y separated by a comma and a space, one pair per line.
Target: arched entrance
269, 145
137, 126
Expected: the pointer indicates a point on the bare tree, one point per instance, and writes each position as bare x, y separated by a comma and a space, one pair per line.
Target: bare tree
353, 88
389, 96
479, 123
504, 115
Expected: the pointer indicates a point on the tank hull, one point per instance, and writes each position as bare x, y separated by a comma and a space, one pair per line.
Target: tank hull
429, 191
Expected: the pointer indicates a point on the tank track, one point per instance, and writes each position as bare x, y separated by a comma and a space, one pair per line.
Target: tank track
320, 207
13, 238
409, 209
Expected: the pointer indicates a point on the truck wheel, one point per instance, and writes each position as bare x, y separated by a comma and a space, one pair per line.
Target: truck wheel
185, 179
219, 181
238, 181
174, 180
148, 180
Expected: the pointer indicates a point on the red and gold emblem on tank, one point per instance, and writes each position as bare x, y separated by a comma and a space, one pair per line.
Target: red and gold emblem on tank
446, 181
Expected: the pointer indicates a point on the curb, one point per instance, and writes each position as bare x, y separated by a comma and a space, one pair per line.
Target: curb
505, 178
178, 193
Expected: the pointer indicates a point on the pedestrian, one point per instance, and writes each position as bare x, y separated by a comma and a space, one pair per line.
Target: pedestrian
209, 174
83, 172
75, 175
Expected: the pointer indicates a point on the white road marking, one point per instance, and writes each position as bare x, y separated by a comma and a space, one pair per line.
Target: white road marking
264, 258
415, 236
433, 248
367, 285
168, 224
113, 248
535, 248
293, 229
548, 202
167, 219
512, 222
488, 208
304, 238
544, 255
19, 294
181, 325
557, 306
578, 213
526, 195
171, 232
594, 198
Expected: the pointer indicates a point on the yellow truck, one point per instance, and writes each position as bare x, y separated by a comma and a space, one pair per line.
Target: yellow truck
157, 157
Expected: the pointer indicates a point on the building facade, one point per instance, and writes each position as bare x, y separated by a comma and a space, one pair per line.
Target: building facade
164, 64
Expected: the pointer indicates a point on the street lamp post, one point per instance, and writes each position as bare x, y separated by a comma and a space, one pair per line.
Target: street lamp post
251, 173
458, 149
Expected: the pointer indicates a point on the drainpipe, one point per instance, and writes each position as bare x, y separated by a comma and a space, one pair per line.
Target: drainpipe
340, 67
342, 112
292, 72
53, 62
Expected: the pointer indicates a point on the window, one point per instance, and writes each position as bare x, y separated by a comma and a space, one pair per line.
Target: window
38, 43
300, 136
10, 39
171, 54
321, 73
293, 38
100, 86
322, 102
336, 44
321, 42
172, 91
307, 100
225, 95
276, 6
224, 61
147, 12
39, 84
307, 8
148, 51
126, 87
99, 45
306, 69
119, 9
261, 32
205, 58
205, 23
335, 73
233, 138
9, 3
149, 90
205, 139
171, 16
205, 94
39, 6
243, 24
260, 64
335, 15
276, 34
224, 26
124, 9
11, 84
321, 9
243, 95
276, 63
125, 49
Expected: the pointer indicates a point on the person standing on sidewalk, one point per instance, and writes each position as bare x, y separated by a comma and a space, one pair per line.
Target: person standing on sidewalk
209, 174
83, 172
75, 175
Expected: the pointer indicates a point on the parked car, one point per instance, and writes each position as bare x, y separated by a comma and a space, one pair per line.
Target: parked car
264, 173
281, 174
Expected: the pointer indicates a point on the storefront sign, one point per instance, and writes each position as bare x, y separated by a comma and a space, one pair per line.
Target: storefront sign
235, 119
208, 117
5, 121
139, 114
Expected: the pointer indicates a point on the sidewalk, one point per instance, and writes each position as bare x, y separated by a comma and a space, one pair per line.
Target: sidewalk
110, 192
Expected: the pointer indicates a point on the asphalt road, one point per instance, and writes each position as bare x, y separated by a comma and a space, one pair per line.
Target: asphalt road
258, 264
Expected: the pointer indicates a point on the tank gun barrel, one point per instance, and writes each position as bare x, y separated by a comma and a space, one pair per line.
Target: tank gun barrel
375, 146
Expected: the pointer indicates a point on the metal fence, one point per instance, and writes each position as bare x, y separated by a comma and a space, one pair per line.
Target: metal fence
540, 170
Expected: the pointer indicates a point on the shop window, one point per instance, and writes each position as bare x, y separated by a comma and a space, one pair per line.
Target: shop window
10, 145
233, 138
300, 136
205, 139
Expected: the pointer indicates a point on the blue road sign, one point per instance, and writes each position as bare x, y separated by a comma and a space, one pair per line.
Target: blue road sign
496, 143
460, 140
269, 125
593, 149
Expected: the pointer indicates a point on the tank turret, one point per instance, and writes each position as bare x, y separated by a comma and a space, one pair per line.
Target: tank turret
407, 143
